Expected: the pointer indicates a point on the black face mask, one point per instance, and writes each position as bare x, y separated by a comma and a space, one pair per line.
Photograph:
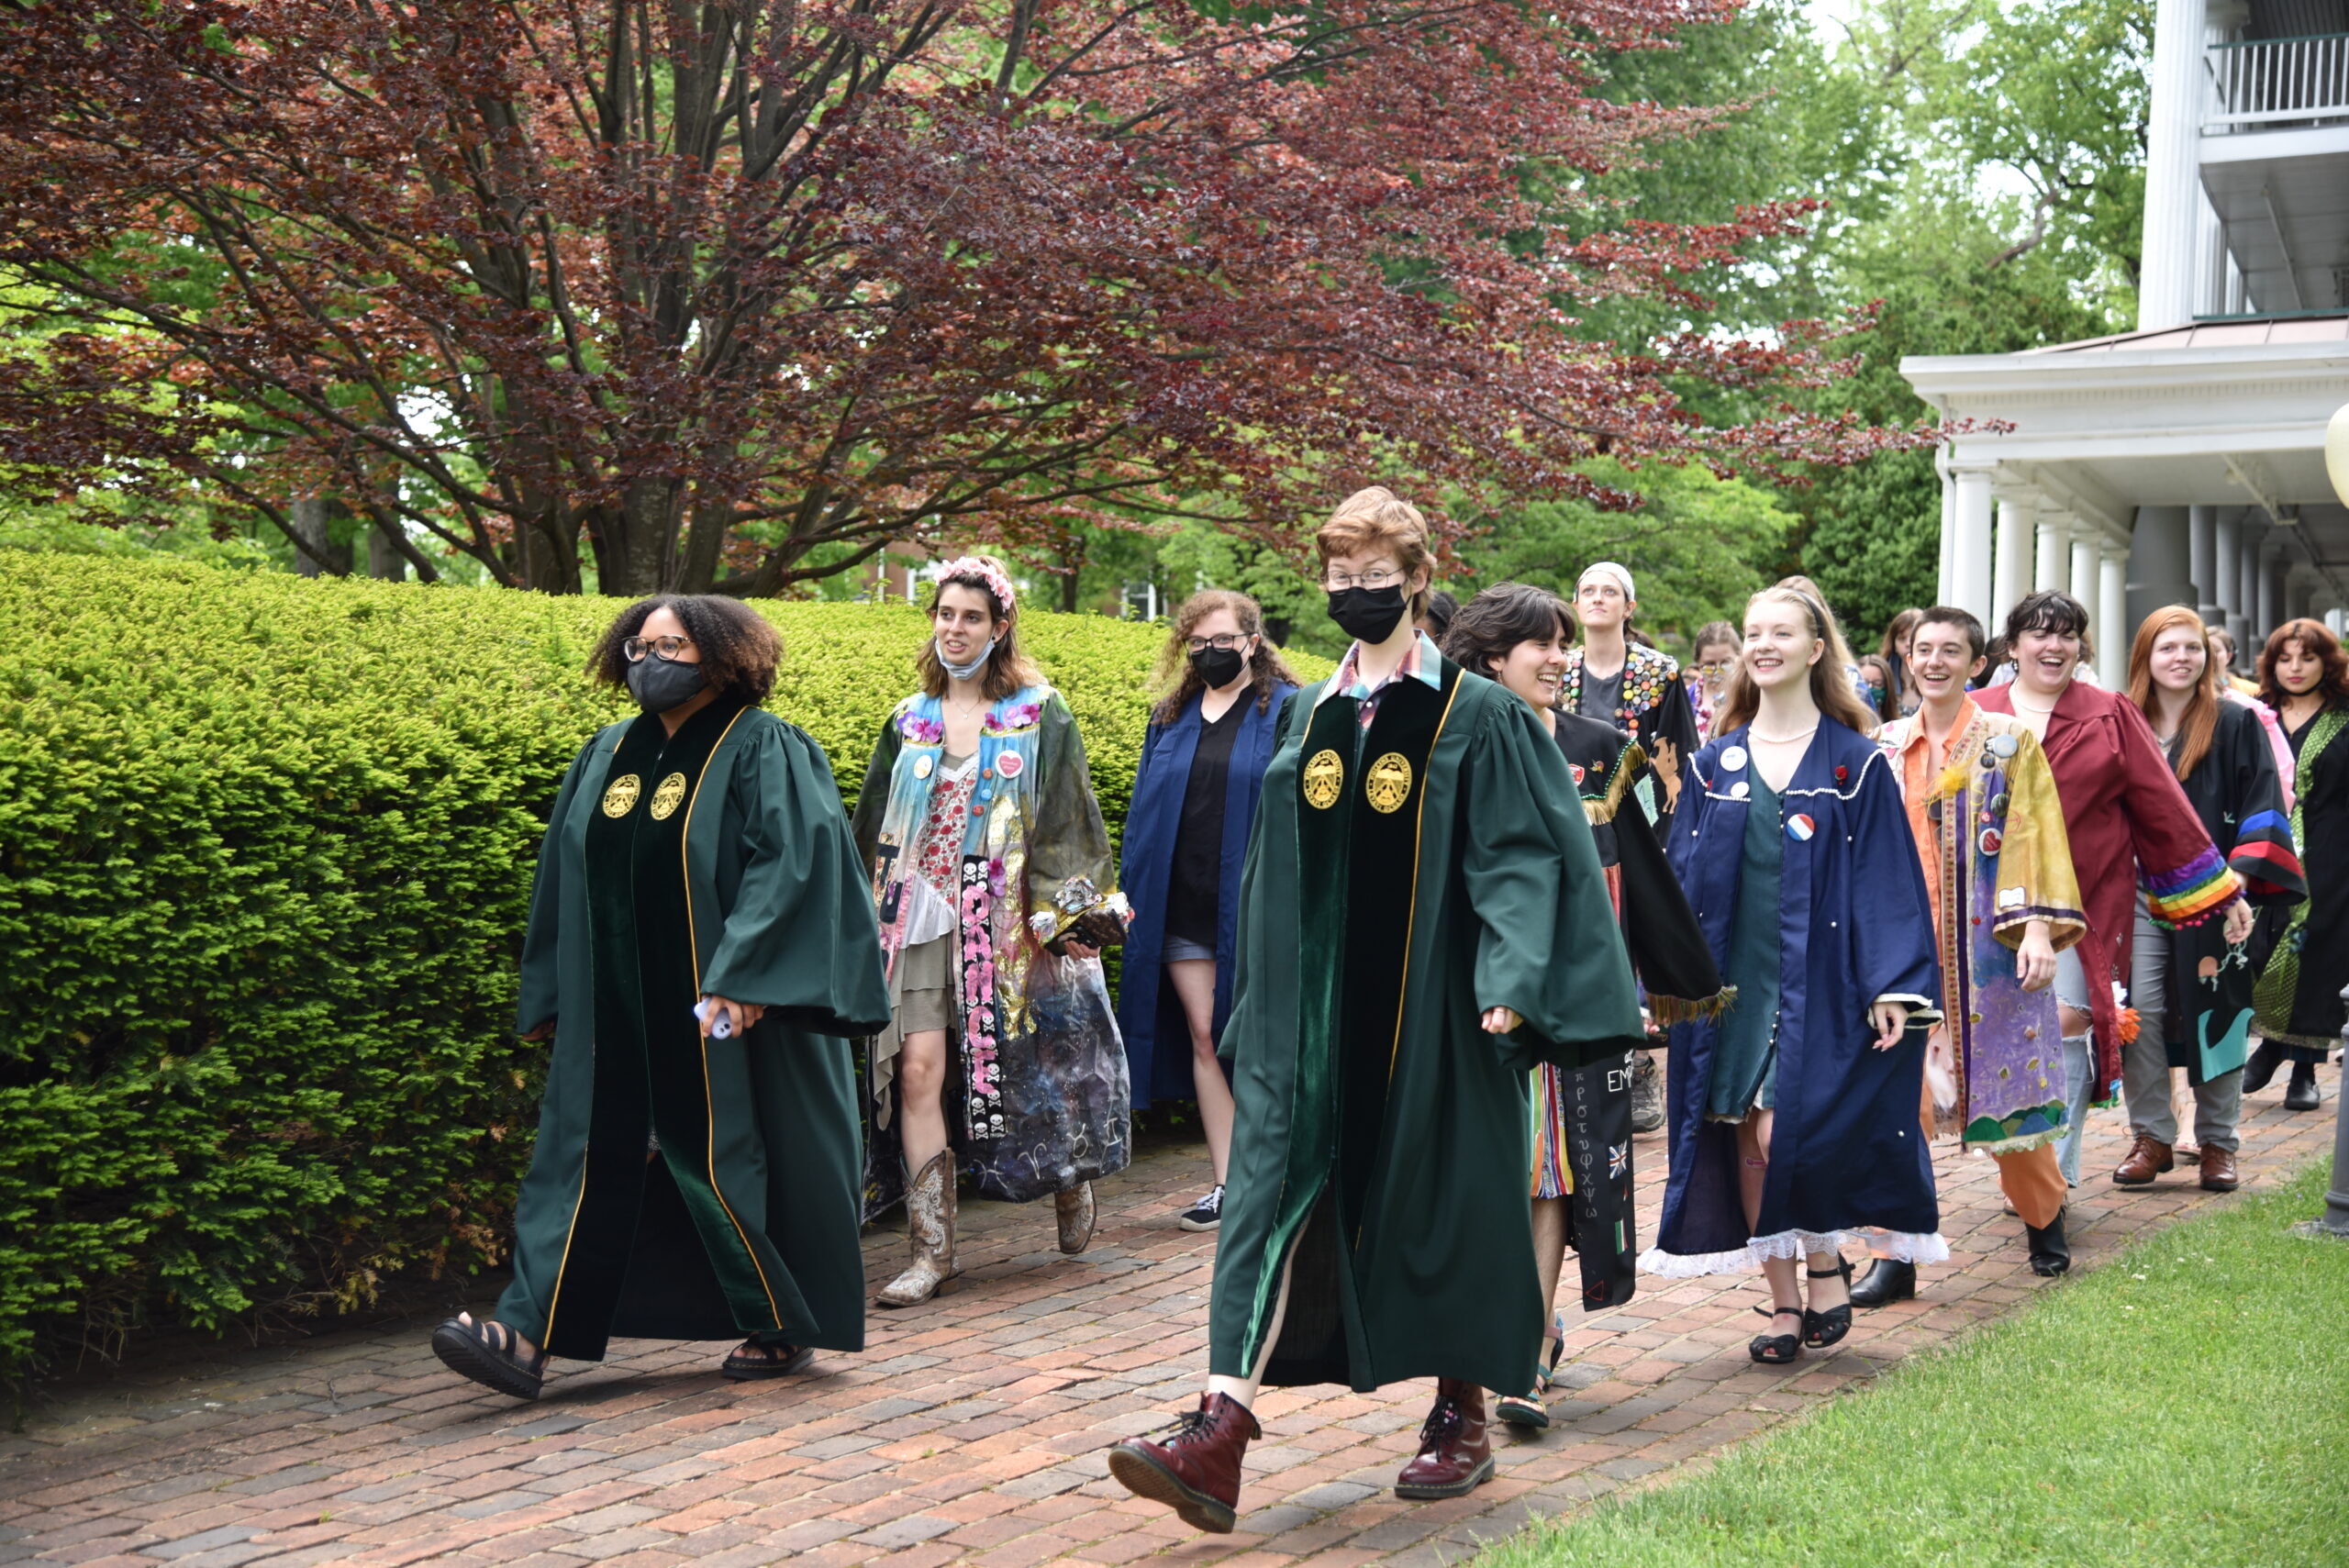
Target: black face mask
1219, 667
1367, 614
660, 684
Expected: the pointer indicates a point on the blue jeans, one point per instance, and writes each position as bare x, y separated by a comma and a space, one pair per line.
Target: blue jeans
2079, 1065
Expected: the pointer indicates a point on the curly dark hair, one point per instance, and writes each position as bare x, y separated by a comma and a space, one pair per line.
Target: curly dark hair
1266, 668
2314, 637
739, 649
1499, 619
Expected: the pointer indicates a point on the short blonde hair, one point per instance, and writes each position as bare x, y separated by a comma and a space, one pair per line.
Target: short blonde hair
1377, 519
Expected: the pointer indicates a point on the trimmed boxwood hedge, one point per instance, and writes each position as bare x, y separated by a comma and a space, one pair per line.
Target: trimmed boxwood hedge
267, 843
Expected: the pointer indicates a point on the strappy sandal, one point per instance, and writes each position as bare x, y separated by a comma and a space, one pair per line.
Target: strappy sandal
766, 1361
1820, 1329
1528, 1411
1776, 1350
484, 1350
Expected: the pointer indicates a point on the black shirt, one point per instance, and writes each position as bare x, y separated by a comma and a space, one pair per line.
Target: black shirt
1191, 904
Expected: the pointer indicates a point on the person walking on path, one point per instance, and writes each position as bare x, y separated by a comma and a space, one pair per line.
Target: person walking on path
2129, 825
1203, 760
1713, 654
2304, 675
1416, 931
1983, 810
1519, 635
700, 949
1794, 1114
991, 868
1638, 690
2192, 988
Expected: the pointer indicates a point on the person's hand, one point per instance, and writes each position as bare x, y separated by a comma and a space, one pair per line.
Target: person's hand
2035, 957
1890, 1019
1500, 1020
2237, 930
1076, 949
543, 1031
740, 1016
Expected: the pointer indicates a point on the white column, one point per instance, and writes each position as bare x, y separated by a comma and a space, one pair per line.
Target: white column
2166, 290
1941, 595
2011, 565
2110, 619
2227, 590
2085, 580
1969, 563
2271, 597
2203, 561
2244, 622
2053, 570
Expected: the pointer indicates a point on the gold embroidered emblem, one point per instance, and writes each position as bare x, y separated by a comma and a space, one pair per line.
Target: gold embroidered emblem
1388, 784
1324, 776
620, 798
668, 797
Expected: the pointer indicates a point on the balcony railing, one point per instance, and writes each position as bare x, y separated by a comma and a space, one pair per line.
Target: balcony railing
2277, 81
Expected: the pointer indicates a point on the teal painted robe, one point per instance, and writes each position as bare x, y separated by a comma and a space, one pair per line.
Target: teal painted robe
719, 862
1399, 881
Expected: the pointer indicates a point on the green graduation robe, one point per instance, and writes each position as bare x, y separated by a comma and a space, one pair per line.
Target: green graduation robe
1399, 882
717, 861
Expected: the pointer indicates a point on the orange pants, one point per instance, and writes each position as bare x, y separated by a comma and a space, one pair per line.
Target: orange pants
2031, 1178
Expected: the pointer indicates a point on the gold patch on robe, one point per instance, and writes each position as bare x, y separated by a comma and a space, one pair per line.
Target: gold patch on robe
668, 797
1389, 782
620, 798
1325, 775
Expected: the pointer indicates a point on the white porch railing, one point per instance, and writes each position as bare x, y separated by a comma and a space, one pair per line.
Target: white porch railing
2277, 81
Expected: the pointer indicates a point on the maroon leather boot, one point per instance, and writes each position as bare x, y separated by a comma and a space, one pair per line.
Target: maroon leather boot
1195, 1469
1456, 1453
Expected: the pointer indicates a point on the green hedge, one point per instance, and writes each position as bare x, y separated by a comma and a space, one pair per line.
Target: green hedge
267, 844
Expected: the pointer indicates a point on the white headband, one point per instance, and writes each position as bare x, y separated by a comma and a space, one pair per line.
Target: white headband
1620, 575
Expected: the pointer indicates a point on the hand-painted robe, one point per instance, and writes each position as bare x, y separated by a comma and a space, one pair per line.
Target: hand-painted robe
2129, 826
1654, 710
2235, 793
715, 862
1582, 1118
1400, 881
1036, 1095
2299, 994
1150, 1016
1990, 833
1855, 927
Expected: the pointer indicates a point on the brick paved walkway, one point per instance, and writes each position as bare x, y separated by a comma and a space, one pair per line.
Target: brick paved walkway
972, 1432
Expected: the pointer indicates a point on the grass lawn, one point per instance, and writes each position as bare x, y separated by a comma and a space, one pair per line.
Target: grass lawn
2184, 1404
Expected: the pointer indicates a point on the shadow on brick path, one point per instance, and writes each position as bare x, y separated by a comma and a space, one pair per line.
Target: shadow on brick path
969, 1433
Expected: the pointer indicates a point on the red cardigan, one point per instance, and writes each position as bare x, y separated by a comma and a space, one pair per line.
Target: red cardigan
2130, 825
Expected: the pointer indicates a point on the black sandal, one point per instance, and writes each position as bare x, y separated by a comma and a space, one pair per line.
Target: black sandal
766, 1361
1776, 1350
484, 1350
1820, 1329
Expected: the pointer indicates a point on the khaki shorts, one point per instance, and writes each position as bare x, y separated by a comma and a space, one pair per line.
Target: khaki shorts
925, 993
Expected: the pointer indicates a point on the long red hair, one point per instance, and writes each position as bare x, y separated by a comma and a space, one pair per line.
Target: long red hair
2201, 717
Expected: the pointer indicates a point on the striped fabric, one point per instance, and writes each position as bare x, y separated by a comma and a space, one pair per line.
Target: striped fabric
2187, 895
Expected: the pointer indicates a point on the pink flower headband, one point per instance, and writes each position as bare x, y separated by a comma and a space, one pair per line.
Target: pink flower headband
987, 572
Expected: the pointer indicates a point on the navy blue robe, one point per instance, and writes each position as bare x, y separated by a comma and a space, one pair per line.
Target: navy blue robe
1855, 926
1148, 1009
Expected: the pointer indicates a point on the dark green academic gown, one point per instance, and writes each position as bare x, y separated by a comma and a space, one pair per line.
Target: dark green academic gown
1398, 883
719, 862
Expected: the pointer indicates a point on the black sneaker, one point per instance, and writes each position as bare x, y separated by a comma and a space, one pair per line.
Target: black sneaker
1206, 1214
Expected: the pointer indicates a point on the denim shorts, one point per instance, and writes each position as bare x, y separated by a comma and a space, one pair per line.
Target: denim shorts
1181, 950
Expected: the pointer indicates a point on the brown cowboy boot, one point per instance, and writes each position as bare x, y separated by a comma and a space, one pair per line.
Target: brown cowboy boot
1456, 1453
2148, 1157
929, 1216
1196, 1471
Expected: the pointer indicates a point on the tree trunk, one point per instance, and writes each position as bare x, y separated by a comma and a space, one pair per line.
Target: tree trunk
316, 518
384, 557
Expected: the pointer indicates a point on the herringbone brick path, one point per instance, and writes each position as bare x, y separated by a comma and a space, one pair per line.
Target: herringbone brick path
971, 1433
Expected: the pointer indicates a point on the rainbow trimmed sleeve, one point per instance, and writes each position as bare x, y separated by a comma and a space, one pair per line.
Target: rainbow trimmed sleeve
2188, 896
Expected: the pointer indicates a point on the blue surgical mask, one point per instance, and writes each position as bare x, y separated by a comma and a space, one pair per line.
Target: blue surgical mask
963, 671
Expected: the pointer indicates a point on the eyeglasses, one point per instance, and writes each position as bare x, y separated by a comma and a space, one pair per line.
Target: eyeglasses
1384, 577
1226, 640
1713, 667
636, 648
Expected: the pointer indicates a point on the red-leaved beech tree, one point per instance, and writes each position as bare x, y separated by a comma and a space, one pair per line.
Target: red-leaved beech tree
738, 292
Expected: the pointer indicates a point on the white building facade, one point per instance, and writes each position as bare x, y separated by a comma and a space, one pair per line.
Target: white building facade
2183, 462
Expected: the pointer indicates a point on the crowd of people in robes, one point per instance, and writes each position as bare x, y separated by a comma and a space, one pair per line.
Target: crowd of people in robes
1427, 943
